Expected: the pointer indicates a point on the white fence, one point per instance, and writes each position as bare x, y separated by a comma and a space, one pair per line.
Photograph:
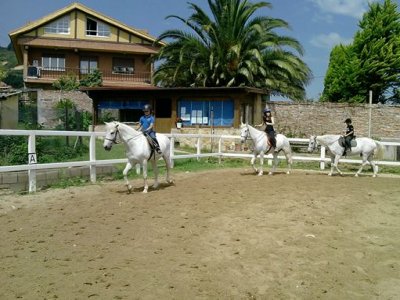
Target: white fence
33, 166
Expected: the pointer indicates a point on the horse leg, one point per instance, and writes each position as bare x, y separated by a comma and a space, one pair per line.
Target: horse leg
146, 187
289, 161
125, 173
332, 165
337, 157
365, 160
168, 166
261, 171
155, 170
252, 162
373, 166
274, 162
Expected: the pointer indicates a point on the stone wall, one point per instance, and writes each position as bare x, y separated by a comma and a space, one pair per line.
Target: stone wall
305, 119
19, 181
48, 99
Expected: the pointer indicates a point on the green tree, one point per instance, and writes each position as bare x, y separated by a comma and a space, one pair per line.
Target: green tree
373, 59
232, 47
341, 80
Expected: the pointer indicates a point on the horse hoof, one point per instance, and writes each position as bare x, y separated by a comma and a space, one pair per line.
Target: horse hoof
270, 173
144, 191
330, 174
260, 174
155, 186
374, 176
356, 175
288, 172
130, 189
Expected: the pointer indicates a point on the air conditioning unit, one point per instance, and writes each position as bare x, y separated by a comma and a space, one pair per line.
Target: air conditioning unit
33, 71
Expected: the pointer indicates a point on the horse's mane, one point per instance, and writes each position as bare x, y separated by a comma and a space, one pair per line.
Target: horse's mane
328, 139
130, 129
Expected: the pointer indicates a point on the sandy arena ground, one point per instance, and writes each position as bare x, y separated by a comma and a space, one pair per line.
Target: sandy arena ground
225, 234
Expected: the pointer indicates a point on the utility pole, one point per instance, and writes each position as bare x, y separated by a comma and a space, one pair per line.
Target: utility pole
370, 114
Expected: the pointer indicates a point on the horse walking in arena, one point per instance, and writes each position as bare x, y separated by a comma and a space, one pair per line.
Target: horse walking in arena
261, 147
138, 150
365, 147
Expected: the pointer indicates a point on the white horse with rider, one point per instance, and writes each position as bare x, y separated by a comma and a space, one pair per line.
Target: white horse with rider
138, 151
263, 147
363, 146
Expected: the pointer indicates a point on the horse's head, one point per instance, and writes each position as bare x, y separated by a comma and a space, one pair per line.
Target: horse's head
244, 132
111, 135
312, 144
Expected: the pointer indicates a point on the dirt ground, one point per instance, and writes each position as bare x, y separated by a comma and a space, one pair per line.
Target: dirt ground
224, 234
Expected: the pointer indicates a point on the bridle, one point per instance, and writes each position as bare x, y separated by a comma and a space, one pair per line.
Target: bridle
114, 140
247, 134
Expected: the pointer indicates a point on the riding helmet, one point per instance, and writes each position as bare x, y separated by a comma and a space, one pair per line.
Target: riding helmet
147, 107
266, 110
348, 120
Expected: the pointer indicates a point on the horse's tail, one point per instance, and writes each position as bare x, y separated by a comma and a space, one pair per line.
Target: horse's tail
378, 152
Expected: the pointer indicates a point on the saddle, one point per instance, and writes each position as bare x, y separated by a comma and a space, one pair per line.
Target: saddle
270, 141
353, 142
152, 143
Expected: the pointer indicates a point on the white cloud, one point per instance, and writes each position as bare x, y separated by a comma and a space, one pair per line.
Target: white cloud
327, 41
352, 8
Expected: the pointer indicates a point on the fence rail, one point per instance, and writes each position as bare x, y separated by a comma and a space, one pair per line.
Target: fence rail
33, 166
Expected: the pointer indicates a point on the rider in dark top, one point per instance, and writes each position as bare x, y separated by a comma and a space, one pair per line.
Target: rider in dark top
268, 120
348, 136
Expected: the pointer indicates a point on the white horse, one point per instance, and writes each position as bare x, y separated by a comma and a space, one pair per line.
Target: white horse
138, 150
261, 147
366, 147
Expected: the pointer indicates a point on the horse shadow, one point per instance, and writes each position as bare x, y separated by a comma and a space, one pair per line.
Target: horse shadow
252, 173
139, 189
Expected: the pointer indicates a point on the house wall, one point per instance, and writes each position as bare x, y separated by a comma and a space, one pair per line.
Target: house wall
9, 112
78, 31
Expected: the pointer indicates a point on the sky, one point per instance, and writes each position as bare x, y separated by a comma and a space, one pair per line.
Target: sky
317, 24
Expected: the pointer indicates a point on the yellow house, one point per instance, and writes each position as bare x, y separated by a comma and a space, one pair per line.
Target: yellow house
76, 40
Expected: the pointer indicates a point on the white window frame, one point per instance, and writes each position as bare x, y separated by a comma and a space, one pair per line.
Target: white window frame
54, 63
59, 26
102, 29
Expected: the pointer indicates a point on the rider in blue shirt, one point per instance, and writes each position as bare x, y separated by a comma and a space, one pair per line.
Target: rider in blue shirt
147, 126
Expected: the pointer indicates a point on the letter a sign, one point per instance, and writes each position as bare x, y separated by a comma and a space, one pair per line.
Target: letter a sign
32, 158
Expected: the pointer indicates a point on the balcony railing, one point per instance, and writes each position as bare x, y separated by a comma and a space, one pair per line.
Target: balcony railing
108, 75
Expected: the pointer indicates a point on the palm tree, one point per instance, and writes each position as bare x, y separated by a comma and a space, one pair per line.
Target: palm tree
232, 48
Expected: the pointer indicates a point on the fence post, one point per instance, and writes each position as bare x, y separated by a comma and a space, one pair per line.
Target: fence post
198, 148
32, 160
92, 157
220, 149
322, 163
172, 151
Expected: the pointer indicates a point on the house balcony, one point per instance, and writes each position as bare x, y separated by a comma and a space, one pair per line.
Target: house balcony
113, 78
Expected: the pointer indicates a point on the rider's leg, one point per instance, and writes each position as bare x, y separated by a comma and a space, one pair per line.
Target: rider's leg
156, 144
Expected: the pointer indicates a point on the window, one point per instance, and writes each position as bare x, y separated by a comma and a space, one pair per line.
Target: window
97, 28
206, 112
60, 26
88, 64
123, 65
53, 62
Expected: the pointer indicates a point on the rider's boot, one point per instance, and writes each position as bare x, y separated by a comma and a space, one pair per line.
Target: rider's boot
157, 146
